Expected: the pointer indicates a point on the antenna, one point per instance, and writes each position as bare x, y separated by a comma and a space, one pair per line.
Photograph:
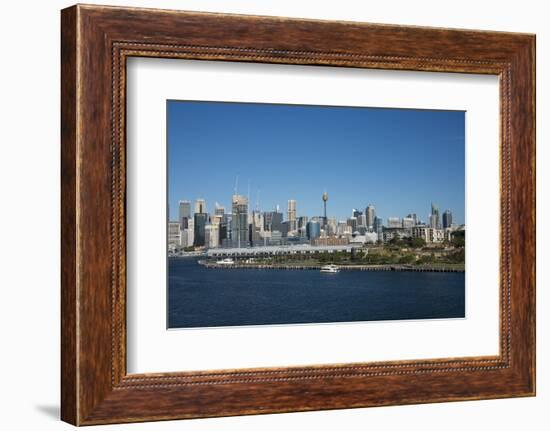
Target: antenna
258, 200
236, 184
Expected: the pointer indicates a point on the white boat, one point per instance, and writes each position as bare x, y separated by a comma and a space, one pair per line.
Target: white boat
226, 261
330, 269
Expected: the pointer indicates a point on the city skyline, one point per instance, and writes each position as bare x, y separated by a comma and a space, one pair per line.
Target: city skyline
202, 206
396, 159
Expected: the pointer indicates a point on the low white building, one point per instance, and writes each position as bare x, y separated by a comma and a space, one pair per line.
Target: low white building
431, 235
174, 234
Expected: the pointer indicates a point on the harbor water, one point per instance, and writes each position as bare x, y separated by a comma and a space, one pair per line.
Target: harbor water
212, 297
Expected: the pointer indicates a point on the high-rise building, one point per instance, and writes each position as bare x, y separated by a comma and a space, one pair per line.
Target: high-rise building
273, 221
256, 227
378, 226
184, 214
332, 226
212, 235
239, 222
313, 230
370, 212
200, 206
200, 220
219, 210
362, 221
352, 222
302, 221
291, 216
435, 221
447, 219
225, 229
187, 237
356, 213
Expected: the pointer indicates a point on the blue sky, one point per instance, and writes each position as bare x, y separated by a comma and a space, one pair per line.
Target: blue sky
400, 160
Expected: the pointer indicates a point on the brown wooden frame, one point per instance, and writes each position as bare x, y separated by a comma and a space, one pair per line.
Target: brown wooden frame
95, 43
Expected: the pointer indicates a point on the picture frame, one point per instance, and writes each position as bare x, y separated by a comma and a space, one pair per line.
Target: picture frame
96, 42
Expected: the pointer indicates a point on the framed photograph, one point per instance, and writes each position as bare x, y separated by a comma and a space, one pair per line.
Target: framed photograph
264, 215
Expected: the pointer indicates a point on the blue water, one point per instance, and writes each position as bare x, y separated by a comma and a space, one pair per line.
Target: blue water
202, 297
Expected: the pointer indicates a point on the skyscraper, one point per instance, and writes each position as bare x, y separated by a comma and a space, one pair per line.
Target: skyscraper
378, 227
371, 214
291, 216
273, 221
313, 230
200, 206
200, 220
447, 219
239, 221
184, 214
219, 210
435, 221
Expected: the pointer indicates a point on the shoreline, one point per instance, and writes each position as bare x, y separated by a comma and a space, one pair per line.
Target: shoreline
388, 267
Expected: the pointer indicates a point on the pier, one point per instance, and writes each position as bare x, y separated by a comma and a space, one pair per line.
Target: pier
238, 265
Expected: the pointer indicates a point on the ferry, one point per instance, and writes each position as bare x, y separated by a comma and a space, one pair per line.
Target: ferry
226, 261
330, 269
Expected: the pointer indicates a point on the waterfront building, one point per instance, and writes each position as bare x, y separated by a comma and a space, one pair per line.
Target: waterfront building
332, 240
187, 237
447, 219
200, 220
303, 249
239, 221
291, 216
190, 233
370, 213
435, 221
184, 214
174, 234
394, 222
313, 230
